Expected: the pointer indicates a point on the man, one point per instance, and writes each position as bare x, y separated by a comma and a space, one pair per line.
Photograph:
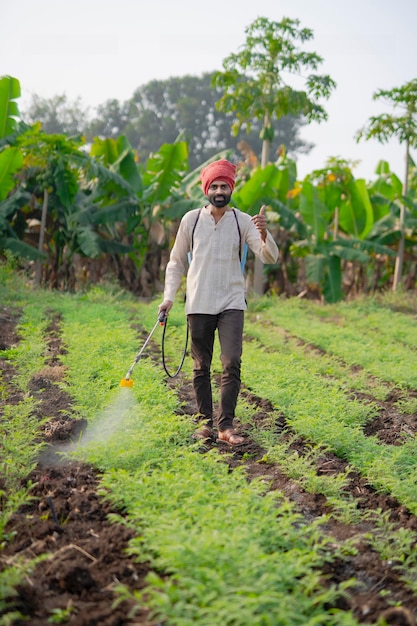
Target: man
213, 237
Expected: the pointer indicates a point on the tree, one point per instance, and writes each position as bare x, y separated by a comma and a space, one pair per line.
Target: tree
404, 127
185, 106
256, 88
60, 189
57, 114
111, 121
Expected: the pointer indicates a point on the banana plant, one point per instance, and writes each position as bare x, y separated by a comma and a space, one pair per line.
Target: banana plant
156, 185
57, 189
328, 219
11, 158
402, 126
389, 204
11, 162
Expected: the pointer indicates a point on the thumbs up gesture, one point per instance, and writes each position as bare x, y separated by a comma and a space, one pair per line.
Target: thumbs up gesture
260, 221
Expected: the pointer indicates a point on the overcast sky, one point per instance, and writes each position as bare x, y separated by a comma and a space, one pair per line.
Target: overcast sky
102, 49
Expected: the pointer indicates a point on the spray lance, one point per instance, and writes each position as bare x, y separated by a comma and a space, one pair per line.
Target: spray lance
161, 321
127, 381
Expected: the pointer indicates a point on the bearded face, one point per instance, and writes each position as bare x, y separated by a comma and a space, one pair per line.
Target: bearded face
219, 194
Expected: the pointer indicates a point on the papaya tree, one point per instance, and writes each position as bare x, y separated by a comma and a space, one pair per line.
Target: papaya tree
404, 128
256, 82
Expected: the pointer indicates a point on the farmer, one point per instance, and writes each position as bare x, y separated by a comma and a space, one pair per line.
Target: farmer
212, 239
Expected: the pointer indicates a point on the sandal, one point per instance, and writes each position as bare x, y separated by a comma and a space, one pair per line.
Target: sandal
230, 437
203, 433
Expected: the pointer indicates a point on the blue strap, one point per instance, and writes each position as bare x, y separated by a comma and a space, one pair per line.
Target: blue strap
244, 255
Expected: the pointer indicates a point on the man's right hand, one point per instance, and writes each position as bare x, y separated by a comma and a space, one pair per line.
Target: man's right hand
166, 306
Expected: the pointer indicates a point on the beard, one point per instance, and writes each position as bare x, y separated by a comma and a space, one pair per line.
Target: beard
219, 200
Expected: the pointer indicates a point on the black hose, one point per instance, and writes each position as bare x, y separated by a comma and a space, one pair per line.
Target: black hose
163, 351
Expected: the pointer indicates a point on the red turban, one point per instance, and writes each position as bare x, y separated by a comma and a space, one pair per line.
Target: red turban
218, 170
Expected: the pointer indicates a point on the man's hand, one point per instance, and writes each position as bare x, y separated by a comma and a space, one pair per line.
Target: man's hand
260, 222
166, 306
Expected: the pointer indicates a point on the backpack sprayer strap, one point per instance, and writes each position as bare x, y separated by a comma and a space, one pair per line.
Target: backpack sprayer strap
242, 255
242, 260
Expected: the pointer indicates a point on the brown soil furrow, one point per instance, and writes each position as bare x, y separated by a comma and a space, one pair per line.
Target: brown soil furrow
67, 519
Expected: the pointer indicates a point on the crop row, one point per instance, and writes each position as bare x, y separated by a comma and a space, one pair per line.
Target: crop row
223, 549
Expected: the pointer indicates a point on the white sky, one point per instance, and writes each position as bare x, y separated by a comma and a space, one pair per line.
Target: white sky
102, 49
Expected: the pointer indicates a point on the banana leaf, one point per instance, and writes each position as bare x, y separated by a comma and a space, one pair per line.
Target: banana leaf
313, 211
20, 248
356, 215
332, 289
163, 172
11, 160
267, 182
9, 111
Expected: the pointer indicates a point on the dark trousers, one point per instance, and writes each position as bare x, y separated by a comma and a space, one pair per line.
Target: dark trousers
229, 325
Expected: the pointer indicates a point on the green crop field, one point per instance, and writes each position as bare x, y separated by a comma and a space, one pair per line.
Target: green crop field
311, 522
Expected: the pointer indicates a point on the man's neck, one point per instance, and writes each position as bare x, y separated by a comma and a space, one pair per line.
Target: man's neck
218, 212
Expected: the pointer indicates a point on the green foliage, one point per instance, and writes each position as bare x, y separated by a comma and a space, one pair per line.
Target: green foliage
118, 154
302, 468
164, 171
57, 114
59, 616
255, 80
402, 126
272, 181
392, 546
321, 411
179, 502
110, 205
353, 331
11, 160
9, 111
189, 541
162, 111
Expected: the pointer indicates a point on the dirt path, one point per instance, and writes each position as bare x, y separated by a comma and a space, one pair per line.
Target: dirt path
69, 520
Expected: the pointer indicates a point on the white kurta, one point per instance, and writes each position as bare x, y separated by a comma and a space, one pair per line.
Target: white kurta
215, 281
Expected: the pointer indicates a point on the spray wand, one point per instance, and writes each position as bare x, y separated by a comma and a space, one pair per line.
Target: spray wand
127, 381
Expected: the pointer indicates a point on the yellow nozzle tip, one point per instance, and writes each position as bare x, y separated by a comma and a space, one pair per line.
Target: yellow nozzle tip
126, 383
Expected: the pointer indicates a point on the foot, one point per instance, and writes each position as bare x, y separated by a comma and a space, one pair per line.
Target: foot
203, 433
230, 437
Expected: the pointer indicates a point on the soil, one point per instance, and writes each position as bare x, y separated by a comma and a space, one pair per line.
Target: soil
68, 519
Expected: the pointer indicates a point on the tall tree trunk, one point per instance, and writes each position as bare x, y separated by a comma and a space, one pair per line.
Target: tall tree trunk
399, 260
336, 224
258, 269
38, 274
